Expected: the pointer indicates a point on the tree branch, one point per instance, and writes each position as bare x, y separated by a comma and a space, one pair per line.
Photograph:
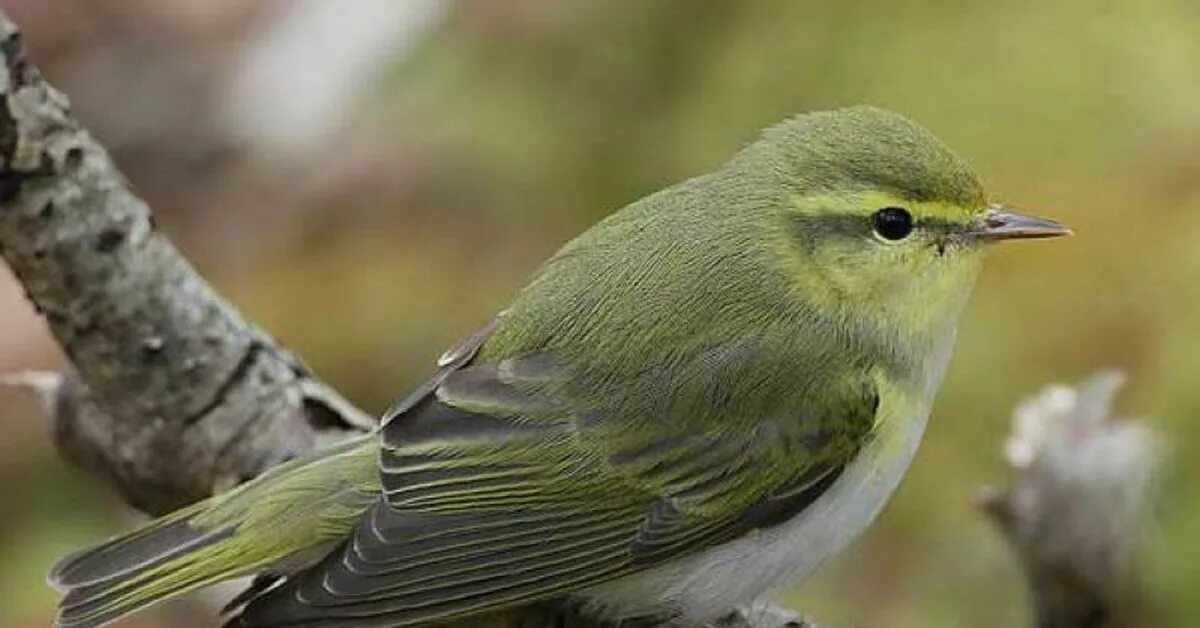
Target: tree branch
174, 396
177, 396
1082, 502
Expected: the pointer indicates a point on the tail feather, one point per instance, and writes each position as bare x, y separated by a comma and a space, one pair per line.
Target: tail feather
287, 513
116, 578
160, 541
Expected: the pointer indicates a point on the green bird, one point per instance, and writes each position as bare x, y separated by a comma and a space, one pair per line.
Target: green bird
692, 403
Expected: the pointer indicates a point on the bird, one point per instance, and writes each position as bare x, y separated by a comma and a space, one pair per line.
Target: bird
691, 404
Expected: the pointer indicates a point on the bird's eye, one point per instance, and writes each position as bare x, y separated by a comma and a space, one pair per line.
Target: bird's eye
893, 223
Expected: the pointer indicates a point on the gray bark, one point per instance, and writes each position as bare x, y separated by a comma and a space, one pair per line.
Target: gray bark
1082, 502
174, 396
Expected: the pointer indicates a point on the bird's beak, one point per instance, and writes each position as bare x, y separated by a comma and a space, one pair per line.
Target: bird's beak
1000, 223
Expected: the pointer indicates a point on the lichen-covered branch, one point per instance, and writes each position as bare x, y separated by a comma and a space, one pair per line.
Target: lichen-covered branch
174, 396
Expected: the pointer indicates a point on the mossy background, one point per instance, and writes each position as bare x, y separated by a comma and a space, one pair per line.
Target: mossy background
513, 126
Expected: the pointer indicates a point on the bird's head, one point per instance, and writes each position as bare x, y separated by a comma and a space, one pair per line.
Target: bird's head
880, 221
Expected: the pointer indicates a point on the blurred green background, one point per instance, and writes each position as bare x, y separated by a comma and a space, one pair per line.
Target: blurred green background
468, 140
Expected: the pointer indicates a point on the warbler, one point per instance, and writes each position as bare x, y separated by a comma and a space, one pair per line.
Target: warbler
692, 403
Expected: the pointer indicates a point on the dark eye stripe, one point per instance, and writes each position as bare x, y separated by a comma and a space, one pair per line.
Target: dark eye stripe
812, 228
940, 226
819, 226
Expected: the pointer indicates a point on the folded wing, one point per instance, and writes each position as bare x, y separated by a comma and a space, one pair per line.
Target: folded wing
502, 488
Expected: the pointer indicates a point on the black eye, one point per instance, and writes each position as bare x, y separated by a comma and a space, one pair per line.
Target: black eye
893, 223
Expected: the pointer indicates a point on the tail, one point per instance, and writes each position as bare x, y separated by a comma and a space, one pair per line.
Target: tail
276, 519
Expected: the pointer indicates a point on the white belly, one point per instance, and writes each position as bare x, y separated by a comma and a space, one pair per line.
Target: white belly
713, 582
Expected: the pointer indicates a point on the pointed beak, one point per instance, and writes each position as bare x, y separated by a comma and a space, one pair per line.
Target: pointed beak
1000, 223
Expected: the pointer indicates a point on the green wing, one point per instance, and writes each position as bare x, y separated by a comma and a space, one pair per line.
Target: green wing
500, 487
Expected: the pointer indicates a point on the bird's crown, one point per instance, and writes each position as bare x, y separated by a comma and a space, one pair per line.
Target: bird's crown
866, 149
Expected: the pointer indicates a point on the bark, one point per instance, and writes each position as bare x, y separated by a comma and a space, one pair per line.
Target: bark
1083, 499
174, 396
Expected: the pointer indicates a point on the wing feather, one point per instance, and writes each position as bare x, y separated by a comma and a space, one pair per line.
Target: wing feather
498, 490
